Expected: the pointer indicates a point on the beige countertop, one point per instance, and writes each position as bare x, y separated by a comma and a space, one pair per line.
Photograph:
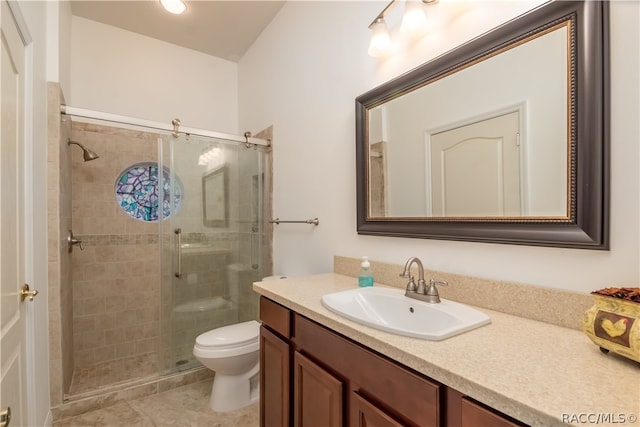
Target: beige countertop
536, 372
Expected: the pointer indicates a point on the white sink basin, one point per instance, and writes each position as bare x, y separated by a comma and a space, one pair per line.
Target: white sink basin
391, 311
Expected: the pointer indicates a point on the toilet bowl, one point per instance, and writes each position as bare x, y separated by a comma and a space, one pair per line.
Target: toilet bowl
233, 353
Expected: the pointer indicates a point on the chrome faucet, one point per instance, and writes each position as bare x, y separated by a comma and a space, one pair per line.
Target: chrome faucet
411, 286
421, 291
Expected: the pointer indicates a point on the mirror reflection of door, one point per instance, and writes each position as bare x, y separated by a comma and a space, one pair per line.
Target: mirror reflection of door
475, 169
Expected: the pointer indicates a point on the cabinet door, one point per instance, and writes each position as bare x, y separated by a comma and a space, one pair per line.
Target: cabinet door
408, 397
274, 380
365, 414
317, 395
474, 415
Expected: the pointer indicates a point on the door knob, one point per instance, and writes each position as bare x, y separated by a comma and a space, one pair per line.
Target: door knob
26, 293
5, 417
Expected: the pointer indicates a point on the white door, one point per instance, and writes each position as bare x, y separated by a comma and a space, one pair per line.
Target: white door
12, 235
475, 169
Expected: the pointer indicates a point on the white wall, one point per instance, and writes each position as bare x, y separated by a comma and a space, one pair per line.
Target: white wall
302, 76
120, 72
59, 43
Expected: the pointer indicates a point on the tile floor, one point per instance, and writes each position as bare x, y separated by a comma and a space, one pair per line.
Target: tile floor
182, 406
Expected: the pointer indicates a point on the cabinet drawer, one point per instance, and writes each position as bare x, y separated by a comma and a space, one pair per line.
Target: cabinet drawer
365, 414
476, 415
409, 397
276, 317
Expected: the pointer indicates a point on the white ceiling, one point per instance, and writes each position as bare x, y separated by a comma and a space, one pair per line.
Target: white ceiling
225, 29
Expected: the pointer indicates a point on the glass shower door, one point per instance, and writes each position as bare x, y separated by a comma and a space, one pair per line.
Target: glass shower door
213, 240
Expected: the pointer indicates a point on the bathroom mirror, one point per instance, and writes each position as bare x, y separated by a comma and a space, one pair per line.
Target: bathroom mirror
503, 139
215, 198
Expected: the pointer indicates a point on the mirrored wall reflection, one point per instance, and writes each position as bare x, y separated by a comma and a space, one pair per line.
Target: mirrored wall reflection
485, 155
129, 317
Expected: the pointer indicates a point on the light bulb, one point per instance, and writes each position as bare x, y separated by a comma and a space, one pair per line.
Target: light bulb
380, 39
174, 6
414, 20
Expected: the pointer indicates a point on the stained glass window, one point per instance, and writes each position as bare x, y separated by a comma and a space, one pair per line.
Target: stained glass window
138, 195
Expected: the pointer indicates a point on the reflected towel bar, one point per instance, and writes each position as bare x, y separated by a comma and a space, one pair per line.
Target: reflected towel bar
314, 221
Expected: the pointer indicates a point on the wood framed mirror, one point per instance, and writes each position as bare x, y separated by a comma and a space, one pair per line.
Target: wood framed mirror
504, 139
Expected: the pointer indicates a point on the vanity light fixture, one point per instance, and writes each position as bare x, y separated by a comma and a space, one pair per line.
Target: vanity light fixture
174, 6
380, 38
413, 22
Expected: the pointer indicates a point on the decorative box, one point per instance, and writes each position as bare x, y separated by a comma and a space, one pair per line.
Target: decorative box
613, 323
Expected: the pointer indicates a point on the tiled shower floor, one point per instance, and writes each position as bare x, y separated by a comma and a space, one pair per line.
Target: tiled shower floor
114, 372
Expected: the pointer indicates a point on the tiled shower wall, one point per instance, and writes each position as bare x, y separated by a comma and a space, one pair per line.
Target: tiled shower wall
59, 260
116, 278
377, 160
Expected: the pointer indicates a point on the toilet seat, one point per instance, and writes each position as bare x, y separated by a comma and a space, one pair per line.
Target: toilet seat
228, 341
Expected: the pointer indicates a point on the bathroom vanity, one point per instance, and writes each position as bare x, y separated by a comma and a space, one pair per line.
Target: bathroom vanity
321, 369
314, 376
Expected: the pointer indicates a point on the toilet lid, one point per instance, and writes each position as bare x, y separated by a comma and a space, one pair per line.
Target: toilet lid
230, 336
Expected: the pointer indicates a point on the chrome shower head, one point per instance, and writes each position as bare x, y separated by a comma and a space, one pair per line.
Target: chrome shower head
87, 154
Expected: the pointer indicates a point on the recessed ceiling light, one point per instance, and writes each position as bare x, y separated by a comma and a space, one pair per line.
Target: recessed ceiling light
174, 6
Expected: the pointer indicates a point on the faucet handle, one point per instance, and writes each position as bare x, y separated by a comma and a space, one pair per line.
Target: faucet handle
411, 286
71, 241
433, 282
432, 291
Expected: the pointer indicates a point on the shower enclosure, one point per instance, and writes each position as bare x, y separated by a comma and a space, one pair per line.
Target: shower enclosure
214, 244
173, 232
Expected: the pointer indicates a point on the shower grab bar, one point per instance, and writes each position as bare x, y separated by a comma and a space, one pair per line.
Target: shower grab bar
314, 221
178, 233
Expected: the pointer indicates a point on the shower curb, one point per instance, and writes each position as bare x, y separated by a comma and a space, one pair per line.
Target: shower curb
86, 402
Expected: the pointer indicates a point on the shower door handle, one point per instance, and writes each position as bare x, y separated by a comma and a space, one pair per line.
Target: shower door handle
178, 233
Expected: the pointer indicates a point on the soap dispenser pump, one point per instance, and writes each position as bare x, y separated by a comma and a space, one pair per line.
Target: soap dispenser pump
365, 278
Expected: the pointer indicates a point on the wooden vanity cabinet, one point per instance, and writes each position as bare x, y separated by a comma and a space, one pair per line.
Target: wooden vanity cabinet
465, 412
477, 415
374, 387
318, 396
365, 414
275, 365
312, 376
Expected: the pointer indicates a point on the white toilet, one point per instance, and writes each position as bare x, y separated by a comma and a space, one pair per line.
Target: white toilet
233, 353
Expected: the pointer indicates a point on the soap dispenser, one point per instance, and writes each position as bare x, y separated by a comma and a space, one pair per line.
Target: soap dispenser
365, 278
